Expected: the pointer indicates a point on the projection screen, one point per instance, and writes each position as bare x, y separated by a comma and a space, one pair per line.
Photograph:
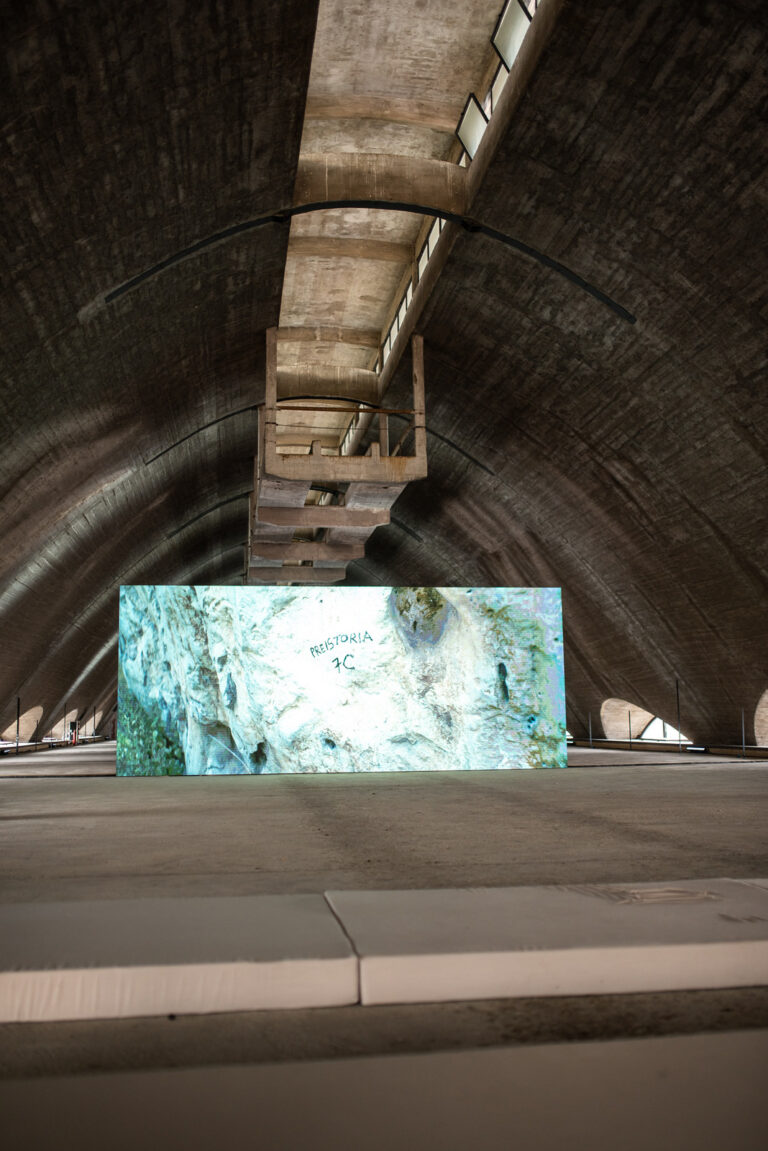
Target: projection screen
260, 680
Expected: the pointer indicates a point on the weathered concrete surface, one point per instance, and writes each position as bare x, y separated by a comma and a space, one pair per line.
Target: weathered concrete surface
128, 133
626, 463
47, 1049
115, 838
387, 87
79, 839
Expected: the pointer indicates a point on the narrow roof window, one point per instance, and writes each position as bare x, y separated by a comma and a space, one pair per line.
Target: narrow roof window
472, 124
510, 30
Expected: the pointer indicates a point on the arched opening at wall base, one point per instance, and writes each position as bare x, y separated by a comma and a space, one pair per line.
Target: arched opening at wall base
761, 720
61, 728
29, 723
659, 731
623, 720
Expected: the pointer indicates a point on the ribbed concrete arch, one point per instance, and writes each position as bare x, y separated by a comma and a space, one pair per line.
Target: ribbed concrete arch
623, 461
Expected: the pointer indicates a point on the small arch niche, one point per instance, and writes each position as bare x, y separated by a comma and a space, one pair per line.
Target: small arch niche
89, 723
624, 720
761, 720
60, 727
28, 723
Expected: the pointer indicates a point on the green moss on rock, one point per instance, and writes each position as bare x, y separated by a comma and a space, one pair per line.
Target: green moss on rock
420, 613
143, 746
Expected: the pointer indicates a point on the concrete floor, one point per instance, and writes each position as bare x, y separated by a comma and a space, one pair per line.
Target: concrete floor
643, 816
627, 817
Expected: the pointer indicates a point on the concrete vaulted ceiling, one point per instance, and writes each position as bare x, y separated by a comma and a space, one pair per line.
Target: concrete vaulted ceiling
619, 452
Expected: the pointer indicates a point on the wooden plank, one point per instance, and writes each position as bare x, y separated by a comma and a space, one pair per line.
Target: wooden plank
270, 393
360, 498
296, 575
419, 414
328, 380
344, 469
305, 550
330, 516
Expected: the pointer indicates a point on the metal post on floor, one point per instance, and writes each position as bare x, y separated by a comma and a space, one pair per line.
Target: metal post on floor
93, 728
590, 729
629, 726
743, 736
18, 720
677, 695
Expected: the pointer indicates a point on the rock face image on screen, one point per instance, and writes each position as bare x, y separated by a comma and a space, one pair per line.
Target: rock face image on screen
256, 680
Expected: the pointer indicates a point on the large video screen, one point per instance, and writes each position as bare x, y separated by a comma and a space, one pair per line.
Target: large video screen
259, 680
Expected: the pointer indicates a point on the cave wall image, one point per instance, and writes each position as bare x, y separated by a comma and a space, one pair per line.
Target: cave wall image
247, 680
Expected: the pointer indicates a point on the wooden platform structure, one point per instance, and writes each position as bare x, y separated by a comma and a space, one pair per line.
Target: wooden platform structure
327, 470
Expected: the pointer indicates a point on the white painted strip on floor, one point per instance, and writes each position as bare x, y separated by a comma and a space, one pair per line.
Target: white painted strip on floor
690, 1093
439, 945
112, 959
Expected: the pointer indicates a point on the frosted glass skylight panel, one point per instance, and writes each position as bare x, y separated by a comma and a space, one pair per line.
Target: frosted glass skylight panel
510, 31
423, 260
471, 125
498, 85
434, 233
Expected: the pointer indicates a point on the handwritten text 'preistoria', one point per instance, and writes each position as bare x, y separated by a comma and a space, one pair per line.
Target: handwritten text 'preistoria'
333, 641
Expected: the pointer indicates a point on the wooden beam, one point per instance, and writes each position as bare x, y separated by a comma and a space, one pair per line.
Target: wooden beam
296, 574
295, 438
349, 248
344, 469
328, 380
270, 391
306, 550
419, 415
359, 499
328, 516
360, 337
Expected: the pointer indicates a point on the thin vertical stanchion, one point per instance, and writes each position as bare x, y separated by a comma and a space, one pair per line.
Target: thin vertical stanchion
743, 736
93, 728
629, 727
590, 729
677, 696
18, 720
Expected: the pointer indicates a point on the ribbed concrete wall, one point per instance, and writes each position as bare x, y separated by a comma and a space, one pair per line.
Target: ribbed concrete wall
130, 132
624, 461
